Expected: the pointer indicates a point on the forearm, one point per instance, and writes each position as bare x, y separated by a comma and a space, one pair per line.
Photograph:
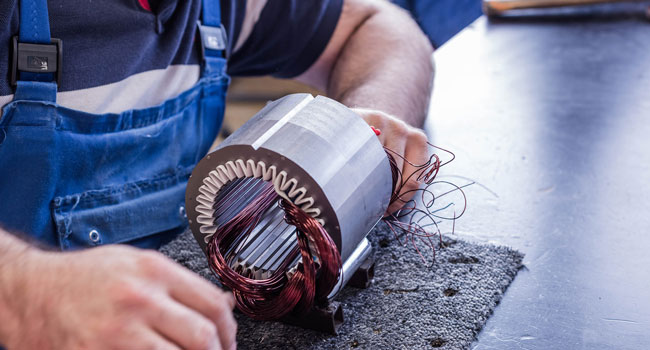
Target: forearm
13, 257
386, 64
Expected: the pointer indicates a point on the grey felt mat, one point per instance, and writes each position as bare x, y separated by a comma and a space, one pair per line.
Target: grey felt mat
409, 306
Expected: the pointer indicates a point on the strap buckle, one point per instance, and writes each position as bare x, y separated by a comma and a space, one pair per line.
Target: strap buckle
212, 38
37, 58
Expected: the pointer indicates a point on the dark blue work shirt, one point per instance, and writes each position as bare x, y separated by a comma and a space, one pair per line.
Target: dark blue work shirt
125, 54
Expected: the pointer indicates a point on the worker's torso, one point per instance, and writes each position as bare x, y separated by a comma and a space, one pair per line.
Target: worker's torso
117, 54
77, 178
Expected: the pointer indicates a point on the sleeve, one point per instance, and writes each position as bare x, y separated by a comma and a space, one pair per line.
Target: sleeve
283, 38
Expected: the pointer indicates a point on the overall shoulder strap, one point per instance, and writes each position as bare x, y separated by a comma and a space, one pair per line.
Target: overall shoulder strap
36, 57
34, 22
213, 37
212, 13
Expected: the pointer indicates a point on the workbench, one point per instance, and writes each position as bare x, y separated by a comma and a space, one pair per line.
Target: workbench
550, 115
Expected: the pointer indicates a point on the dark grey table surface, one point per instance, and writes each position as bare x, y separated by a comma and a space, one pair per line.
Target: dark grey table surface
552, 116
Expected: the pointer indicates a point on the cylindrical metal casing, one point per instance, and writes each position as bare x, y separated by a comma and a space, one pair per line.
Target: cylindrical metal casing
327, 148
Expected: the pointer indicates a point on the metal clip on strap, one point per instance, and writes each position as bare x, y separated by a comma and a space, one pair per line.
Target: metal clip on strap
212, 39
36, 58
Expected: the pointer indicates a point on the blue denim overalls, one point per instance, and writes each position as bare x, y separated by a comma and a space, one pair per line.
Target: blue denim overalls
73, 179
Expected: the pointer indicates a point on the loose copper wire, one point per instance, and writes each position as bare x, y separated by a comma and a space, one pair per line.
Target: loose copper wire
408, 220
254, 297
276, 296
330, 258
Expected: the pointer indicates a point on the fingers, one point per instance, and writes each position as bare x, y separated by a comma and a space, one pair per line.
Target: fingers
212, 302
219, 311
416, 153
397, 147
404, 142
153, 340
375, 119
406, 146
183, 326
137, 336
200, 295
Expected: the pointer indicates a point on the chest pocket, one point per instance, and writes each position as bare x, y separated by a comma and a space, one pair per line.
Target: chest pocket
123, 214
135, 194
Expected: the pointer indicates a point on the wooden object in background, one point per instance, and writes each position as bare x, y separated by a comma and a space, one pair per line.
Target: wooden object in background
498, 7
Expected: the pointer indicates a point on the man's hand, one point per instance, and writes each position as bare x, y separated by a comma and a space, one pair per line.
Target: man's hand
113, 297
405, 141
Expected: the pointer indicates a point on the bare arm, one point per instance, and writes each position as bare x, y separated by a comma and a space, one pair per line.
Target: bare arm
12, 253
377, 58
380, 63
